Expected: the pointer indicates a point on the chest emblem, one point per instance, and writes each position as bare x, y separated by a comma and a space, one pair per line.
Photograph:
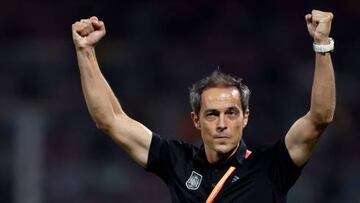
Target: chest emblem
194, 181
235, 178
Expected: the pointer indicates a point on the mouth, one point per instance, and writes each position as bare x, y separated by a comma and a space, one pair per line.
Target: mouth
222, 136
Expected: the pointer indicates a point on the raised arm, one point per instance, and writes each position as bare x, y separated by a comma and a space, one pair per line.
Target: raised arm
102, 104
306, 131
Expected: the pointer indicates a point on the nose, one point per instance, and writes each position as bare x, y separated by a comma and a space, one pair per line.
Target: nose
221, 124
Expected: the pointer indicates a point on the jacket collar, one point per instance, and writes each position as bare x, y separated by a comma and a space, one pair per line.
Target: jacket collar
238, 157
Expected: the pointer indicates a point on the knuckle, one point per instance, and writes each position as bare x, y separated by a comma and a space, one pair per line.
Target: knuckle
77, 24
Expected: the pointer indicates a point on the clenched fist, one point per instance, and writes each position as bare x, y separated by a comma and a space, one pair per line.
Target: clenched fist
319, 25
88, 32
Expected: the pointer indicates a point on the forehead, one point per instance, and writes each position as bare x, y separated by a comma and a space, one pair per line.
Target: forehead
220, 97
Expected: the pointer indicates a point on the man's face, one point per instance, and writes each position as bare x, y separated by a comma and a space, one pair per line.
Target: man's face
221, 120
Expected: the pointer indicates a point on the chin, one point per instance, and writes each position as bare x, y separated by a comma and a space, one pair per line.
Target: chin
225, 148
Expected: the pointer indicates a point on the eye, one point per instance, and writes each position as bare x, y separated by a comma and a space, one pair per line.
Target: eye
211, 116
232, 113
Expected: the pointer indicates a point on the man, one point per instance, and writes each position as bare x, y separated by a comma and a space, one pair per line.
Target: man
222, 170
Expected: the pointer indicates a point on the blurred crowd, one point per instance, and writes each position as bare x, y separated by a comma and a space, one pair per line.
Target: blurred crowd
50, 149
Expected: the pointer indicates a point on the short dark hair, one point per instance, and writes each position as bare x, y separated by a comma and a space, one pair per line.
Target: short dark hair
218, 79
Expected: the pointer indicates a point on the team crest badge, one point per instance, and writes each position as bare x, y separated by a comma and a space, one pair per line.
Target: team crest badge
194, 181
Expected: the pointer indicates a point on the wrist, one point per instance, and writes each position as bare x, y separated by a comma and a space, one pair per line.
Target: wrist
324, 45
85, 48
86, 52
323, 41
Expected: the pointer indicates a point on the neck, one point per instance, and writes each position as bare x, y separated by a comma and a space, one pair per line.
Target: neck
214, 156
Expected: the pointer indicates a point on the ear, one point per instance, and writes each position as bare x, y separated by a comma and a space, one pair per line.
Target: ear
195, 118
246, 118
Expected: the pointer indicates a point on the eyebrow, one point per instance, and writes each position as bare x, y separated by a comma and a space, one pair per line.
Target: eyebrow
227, 109
233, 108
211, 111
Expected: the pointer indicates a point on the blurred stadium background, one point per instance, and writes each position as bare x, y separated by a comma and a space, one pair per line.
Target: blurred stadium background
51, 151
